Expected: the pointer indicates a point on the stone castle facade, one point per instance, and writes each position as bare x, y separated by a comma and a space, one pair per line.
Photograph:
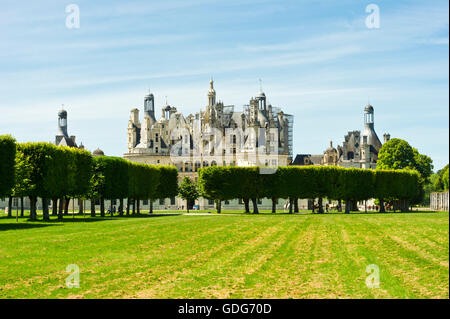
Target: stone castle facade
259, 135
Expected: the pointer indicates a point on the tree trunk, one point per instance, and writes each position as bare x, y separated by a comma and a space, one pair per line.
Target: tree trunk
382, 210
274, 205
33, 200
320, 205
138, 206
246, 204
45, 213
80, 206
295, 205
55, 206
347, 206
365, 206
404, 205
102, 207
291, 203
151, 206
66, 205
255, 206
133, 202
92, 207
339, 206
313, 205
187, 205
21, 207
121, 207
128, 206
218, 206
111, 210
10, 200
60, 208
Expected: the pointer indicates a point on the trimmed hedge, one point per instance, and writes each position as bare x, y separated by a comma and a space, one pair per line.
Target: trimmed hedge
308, 182
7, 163
46, 171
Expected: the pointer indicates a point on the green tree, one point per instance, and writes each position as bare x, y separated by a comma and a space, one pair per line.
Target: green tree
45, 173
398, 154
188, 190
215, 183
168, 185
445, 179
7, 170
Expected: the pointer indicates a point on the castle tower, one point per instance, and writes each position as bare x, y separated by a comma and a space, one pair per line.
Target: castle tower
149, 107
62, 138
261, 98
211, 93
387, 137
133, 129
369, 136
62, 123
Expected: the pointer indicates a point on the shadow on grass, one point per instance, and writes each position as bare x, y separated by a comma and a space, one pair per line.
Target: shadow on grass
89, 219
19, 226
376, 213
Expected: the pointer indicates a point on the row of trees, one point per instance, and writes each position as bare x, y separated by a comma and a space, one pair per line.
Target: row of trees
399, 154
308, 182
43, 170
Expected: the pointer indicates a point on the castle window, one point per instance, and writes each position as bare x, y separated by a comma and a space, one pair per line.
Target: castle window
161, 201
156, 149
172, 201
156, 138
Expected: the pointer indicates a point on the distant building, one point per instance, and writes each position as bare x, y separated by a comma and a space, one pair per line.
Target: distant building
358, 150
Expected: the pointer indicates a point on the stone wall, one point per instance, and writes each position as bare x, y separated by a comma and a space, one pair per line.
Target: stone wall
439, 201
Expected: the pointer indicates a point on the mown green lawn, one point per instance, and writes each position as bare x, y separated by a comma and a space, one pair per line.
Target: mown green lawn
228, 256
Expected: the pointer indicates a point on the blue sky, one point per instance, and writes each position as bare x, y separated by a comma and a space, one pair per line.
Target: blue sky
317, 60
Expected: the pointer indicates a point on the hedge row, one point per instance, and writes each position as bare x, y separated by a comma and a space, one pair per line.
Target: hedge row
7, 156
46, 171
307, 182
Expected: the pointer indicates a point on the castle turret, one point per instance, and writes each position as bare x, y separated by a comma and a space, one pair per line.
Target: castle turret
149, 107
211, 93
62, 123
369, 130
62, 138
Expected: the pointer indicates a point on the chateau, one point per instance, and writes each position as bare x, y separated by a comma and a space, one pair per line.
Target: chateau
259, 135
